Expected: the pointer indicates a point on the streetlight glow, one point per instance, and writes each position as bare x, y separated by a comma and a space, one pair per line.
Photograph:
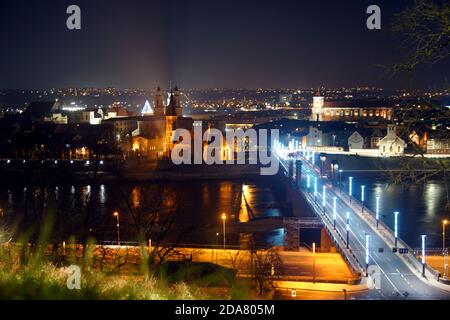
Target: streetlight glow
323, 196
348, 228
224, 218
423, 254
367, 254
350, 186
315, 186
396, 227
362, 193
116, 214
308, 181
334, 212
444, 225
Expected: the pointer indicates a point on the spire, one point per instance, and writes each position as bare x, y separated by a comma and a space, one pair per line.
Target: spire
159, 106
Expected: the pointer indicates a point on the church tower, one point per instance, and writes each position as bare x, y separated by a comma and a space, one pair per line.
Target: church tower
171, 121
176, 97
317, 109
159, 106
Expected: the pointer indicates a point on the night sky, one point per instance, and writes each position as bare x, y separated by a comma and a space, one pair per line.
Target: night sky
201, 44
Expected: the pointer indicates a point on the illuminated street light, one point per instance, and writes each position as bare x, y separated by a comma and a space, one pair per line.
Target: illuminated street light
377, 209
308, 181
444, 225
117, 215
350, 179
367, 254
348, 228
423, 255
340, 184
315, 187
362, 197
323, 159
313, 158
323, 197
224, 219
334, 212
314, 261
396, 227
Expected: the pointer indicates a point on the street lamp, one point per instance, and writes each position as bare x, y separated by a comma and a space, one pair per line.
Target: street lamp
444, 225
315, 188
224, 219
334, 212
313, 158
117, 215
377, 209
308, 181
314, 261
340, 174
423, 255
323, 159
396, 227
348, 228
323, 197
362, 197
367, 254
350, 179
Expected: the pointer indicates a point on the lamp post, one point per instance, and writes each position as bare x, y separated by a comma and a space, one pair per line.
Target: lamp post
308, 181
377, 209
340, 174
323, 159
444, 225
313, 158
315, 188
334, 212
362, 197
396, 227
350, 182
367, 254
323, 197
423, 255
224, 219
314, 261
117, 215
348, 228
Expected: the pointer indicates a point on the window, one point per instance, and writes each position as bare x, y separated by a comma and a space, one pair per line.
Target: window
398, 149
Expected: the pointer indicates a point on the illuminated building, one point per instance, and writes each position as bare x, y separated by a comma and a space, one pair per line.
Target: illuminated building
351, 110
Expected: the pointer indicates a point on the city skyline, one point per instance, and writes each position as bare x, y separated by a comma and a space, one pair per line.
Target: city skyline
201, 45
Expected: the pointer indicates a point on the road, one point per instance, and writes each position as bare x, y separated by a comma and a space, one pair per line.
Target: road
397, 279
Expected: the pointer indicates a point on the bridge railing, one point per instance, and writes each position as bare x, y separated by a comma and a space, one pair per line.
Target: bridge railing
383, 230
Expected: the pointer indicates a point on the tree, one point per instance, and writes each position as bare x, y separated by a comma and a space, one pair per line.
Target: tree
425, 29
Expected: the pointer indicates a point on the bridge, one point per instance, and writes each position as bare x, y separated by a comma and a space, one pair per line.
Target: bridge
367, 244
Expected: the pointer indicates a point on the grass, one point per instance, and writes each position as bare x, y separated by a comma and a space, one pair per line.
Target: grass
44, 277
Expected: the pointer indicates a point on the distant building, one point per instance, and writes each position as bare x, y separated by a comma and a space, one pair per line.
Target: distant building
58, 118
328, 134
356, 141
391, 144
285, 98
437, 144
37, 111
365, 138
350, 110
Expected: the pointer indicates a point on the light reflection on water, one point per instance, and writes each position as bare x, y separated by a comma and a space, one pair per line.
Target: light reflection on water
421, 207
